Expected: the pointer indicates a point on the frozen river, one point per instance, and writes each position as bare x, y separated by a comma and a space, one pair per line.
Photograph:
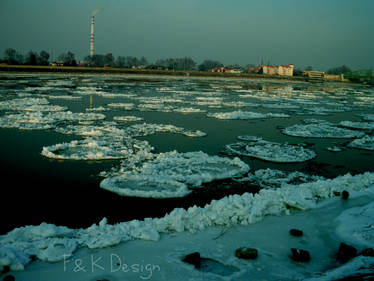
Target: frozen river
77, 148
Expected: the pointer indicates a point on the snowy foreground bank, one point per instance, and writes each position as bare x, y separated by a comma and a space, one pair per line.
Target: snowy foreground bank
154, 248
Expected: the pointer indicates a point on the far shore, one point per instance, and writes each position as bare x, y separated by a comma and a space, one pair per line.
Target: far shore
176, 73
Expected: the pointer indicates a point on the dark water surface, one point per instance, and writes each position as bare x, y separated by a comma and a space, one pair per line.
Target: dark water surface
35, 189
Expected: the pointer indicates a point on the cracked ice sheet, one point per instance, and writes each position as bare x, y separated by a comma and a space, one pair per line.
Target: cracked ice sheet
321, 130
168, 174
245, 115
233, 212
270, 151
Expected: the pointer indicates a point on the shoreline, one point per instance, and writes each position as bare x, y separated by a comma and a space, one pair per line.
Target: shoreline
172, 73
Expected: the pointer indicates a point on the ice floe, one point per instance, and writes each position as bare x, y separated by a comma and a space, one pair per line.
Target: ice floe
270, 151
160, 173
245, 115
268, 178
357, 125
127, 118
27, 121
123, 106
368, 117
367, 142
321, 130
146, 129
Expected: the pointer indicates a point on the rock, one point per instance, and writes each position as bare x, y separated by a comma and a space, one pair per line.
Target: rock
346, 252
296, 232
369, 252
345, 195
336, 193
193, 259
246, 253
6, 269
9, 278
300, 255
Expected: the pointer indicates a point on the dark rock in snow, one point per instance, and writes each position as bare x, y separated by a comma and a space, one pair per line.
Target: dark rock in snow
300, 255
246, 253
296, 232
369, 252
346, 252
193, 259
9, 278
345, 195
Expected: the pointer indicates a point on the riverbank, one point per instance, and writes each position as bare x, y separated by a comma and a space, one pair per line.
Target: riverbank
177, 73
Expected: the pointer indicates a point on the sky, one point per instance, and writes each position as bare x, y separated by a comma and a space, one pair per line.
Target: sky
317, 33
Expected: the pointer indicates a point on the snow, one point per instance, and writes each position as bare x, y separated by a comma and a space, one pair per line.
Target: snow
217, 230
321, 130
366, 142
271, 151
167, 174
245, 115
123, 106
368, 117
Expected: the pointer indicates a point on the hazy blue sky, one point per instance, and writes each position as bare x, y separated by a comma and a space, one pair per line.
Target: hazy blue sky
320, 33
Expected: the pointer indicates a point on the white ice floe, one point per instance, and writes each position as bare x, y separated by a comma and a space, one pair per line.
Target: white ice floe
93, 149
189, 110
245, 115
367, 142
127, 118
123, 106
97, 109
268, 178
64, 97
49, 242
27, 121
149, 186
321, 130
334, 148
146, 129
357, 125
157, 177
271, 151
76, 116
22, 103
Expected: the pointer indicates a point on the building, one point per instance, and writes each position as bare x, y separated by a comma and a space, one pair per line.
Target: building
219, 69
282, 70
254, 69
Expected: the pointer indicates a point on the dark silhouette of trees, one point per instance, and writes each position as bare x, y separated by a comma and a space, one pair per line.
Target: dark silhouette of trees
43, 58
11, 56
31, 58
207, 65
177, 63
67, 59
339, 70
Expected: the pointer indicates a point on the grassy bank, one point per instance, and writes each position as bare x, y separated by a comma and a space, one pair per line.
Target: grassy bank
111, 70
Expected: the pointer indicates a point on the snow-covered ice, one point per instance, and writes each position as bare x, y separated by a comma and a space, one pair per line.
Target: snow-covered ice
321, 130
367, 142
245, 115
271, 151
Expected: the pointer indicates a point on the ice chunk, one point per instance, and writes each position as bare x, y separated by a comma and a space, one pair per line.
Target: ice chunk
145, 129
271, 151
123, 106
245, 115
321, 130
357, 125
368, 117
145, 186
127, 118
366, 142
268, 178
167, 170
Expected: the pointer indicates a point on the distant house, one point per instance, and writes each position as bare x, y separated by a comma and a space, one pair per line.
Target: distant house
220, 69
234, 71
282, 70
254, 69
56, 64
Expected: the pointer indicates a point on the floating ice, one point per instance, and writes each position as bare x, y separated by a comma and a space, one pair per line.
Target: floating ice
64, 97
321, 130
249, 138
334, 148
70, 116
271, 151
357, 125
145, 129
123, 106
127, 118
268, 178
244, 115
148, 186
192, 168
27, 121
22, 103
366, 142
188, 110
